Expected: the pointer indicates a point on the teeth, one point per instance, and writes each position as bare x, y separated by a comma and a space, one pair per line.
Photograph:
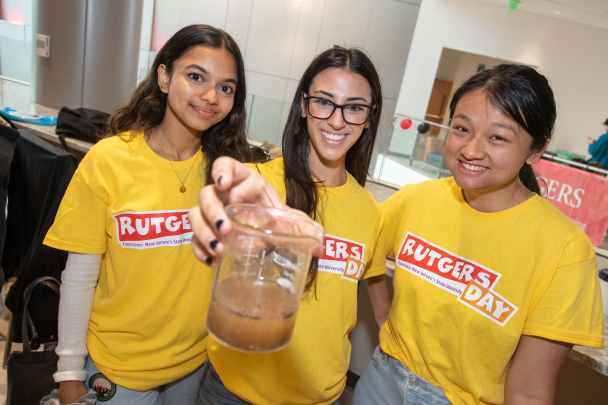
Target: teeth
333, 137
474, 168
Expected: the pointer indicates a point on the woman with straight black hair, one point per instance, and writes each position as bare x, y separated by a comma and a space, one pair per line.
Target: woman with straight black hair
493, 285
327, 147
131, 286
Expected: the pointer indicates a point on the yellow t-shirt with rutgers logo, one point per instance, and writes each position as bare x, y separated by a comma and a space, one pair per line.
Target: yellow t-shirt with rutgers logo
468, 285
312, 368
147, 326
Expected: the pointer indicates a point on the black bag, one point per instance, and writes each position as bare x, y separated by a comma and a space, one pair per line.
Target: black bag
85, 124
40, 175
30, 374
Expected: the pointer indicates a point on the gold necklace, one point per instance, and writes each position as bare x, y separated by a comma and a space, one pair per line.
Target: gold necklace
182, 189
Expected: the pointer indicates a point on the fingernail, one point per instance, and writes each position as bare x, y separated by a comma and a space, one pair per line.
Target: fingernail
218, 224
208, 261
213, 244
219, 180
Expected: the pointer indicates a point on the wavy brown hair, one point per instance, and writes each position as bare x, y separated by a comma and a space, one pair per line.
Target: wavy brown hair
302, 193
146, 107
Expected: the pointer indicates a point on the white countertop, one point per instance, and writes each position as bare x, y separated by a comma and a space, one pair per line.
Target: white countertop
17, 97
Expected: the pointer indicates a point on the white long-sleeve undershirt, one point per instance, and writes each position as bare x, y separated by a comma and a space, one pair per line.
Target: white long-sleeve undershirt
78, 282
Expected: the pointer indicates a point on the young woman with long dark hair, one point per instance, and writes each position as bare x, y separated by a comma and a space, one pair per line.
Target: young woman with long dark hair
327, 149
493, 285
132, 296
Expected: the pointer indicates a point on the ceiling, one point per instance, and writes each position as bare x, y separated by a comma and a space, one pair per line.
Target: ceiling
587, 12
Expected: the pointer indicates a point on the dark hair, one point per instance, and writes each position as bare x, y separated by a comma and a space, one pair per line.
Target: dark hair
301, 189
146, 107
522, 94
606, 122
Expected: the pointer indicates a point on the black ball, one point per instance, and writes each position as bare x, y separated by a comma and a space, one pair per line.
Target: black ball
423, 128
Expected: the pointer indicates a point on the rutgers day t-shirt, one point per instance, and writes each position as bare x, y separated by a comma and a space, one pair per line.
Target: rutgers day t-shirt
147, 325
312, 368
468, 285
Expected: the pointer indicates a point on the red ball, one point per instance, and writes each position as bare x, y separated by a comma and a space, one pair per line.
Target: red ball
406, 123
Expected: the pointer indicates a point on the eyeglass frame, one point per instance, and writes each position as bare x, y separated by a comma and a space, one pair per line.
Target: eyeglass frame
336, 106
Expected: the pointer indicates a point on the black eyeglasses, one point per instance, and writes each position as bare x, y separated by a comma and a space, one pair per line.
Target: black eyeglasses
322, 108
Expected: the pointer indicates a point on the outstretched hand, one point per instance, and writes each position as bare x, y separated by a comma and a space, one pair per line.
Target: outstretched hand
234, 183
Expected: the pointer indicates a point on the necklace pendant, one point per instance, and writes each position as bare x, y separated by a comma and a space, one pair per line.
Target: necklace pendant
182, 189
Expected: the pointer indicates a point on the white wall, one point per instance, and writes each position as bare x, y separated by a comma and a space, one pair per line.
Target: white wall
571, 55
279, 38
457, 67
17, 11
16, 39
448, 64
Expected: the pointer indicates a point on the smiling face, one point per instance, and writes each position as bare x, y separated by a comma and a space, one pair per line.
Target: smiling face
200, 87
331, 138
485, 149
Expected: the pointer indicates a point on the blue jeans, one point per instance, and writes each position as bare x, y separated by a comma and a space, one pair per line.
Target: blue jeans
182, 391
213, 392
387, 381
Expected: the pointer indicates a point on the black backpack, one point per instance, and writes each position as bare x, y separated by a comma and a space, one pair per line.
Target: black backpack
85, 124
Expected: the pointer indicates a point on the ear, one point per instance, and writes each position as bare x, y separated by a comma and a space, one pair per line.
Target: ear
163, 78
303, 107
536, 155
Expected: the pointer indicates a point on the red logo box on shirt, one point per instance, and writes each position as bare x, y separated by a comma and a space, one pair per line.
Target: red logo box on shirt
337, 252
441, 267
143, 230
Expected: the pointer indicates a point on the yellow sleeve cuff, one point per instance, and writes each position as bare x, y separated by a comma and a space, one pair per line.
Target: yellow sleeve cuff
576, 338
73, 247
373, 272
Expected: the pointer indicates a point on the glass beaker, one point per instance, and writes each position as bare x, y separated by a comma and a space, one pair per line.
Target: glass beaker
262, 272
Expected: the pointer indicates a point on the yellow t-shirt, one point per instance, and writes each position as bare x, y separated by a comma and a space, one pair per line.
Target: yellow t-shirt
312, 368
469, 284
147, 326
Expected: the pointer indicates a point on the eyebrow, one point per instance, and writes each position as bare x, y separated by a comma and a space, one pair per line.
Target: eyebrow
494, 124
203, 70
504, 126
348, 99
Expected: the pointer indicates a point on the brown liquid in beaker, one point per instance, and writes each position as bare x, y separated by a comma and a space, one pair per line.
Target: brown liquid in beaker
251, 315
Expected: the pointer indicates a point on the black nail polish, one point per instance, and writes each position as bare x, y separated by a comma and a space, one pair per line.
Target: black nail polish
218, 224
219, 180
208, 261
213, 244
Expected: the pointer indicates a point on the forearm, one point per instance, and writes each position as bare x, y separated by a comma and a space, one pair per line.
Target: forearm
593, 148
378, 294
78, 282
513, 397
532, 376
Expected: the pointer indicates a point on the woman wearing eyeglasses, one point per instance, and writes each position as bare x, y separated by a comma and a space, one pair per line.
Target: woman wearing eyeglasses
327, 148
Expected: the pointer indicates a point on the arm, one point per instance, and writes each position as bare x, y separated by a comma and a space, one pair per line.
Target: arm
78, 282
533, 373
599, 145
378, 294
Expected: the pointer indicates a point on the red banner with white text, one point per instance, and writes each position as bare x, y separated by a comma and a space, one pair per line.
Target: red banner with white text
580, 195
